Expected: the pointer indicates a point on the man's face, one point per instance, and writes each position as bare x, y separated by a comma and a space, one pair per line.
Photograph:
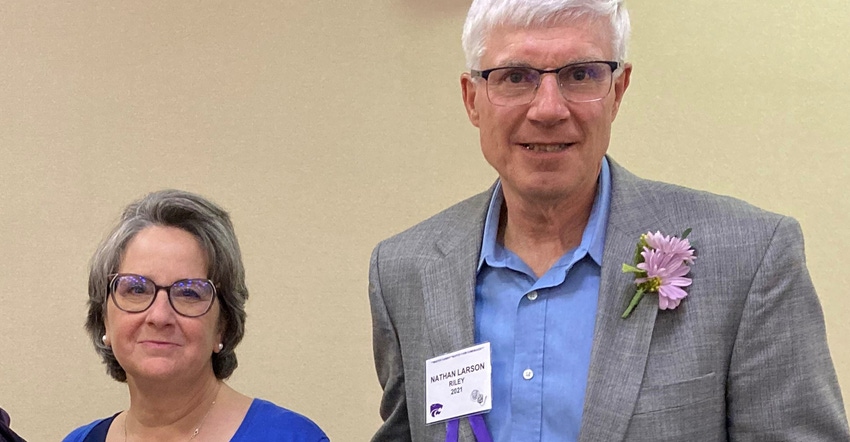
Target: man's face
550, 148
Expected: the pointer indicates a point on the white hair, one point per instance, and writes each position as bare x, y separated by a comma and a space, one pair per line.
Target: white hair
486, 15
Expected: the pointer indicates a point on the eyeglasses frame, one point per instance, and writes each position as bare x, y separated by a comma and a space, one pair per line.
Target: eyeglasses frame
485, 74
114, 277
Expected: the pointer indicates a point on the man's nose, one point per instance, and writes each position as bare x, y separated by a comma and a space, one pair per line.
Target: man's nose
549, 105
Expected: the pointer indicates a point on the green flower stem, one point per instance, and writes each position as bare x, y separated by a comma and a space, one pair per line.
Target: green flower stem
635, 299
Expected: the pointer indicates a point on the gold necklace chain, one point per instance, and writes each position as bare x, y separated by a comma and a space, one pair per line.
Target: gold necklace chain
197, 429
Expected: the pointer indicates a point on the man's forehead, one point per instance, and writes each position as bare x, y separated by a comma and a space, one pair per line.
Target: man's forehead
556, 44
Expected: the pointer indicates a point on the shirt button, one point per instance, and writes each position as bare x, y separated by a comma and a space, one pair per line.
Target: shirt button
527, 374
531, 296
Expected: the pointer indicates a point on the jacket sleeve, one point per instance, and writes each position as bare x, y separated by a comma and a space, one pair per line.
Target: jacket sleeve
388, 362
782, 384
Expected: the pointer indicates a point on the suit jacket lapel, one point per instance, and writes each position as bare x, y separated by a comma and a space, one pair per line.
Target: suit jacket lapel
620, 346
449, 308
449, 279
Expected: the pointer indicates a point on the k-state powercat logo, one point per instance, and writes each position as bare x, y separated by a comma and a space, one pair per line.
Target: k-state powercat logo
436, 409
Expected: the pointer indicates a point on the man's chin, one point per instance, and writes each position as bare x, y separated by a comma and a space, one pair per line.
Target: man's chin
550, 189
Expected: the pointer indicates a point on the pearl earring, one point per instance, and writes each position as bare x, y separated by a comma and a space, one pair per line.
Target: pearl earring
104, 340
220, 346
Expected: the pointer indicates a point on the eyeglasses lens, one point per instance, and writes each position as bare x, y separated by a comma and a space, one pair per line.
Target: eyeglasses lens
191, 297
133, 293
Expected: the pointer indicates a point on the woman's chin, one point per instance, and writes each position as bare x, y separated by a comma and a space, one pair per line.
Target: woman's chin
156, 371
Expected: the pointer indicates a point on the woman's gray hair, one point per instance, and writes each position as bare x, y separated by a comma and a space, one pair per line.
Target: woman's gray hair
486, 15
211, 226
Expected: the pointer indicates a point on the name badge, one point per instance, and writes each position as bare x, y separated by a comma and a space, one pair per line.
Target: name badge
458, 384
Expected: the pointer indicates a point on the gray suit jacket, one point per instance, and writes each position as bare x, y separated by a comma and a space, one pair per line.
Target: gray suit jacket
743, 358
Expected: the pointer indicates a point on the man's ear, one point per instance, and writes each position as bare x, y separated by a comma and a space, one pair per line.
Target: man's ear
621, 83
468, 89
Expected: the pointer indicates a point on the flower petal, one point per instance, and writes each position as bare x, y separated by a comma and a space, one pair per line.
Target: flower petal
671, 292
678, 282
667, 304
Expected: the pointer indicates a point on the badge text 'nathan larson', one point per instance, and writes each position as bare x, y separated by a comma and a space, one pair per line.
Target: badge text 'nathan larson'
459, 372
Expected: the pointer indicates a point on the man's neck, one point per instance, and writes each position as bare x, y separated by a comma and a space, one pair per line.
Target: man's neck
540, 232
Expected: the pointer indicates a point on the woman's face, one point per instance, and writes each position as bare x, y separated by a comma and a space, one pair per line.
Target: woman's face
158, 343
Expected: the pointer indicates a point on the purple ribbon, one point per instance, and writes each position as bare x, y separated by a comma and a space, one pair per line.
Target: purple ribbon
479, 429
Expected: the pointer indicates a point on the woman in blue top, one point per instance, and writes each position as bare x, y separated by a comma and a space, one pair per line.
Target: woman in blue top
166, 312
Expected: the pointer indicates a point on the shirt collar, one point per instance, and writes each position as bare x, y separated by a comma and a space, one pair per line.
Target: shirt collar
592, 240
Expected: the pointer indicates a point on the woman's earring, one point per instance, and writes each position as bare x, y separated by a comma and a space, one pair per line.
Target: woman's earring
220, 346
105, 340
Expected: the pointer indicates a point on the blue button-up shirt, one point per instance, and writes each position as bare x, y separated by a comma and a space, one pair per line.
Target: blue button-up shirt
540, 330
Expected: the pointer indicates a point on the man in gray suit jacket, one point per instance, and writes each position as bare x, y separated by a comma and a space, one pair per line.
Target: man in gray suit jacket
534, 266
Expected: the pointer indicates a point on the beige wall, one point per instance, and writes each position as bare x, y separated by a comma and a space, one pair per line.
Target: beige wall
324, 127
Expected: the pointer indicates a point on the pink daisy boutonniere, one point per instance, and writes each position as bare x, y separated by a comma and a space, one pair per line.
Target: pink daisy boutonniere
661, 263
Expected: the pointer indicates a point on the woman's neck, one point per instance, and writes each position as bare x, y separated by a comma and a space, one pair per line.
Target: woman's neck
169, 412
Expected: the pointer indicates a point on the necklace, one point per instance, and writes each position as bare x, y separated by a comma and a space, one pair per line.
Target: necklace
197, 429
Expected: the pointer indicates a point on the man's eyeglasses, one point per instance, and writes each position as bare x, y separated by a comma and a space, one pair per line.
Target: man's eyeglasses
188, 297
578, 82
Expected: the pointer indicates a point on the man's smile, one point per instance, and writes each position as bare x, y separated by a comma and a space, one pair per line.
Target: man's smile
555, 147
